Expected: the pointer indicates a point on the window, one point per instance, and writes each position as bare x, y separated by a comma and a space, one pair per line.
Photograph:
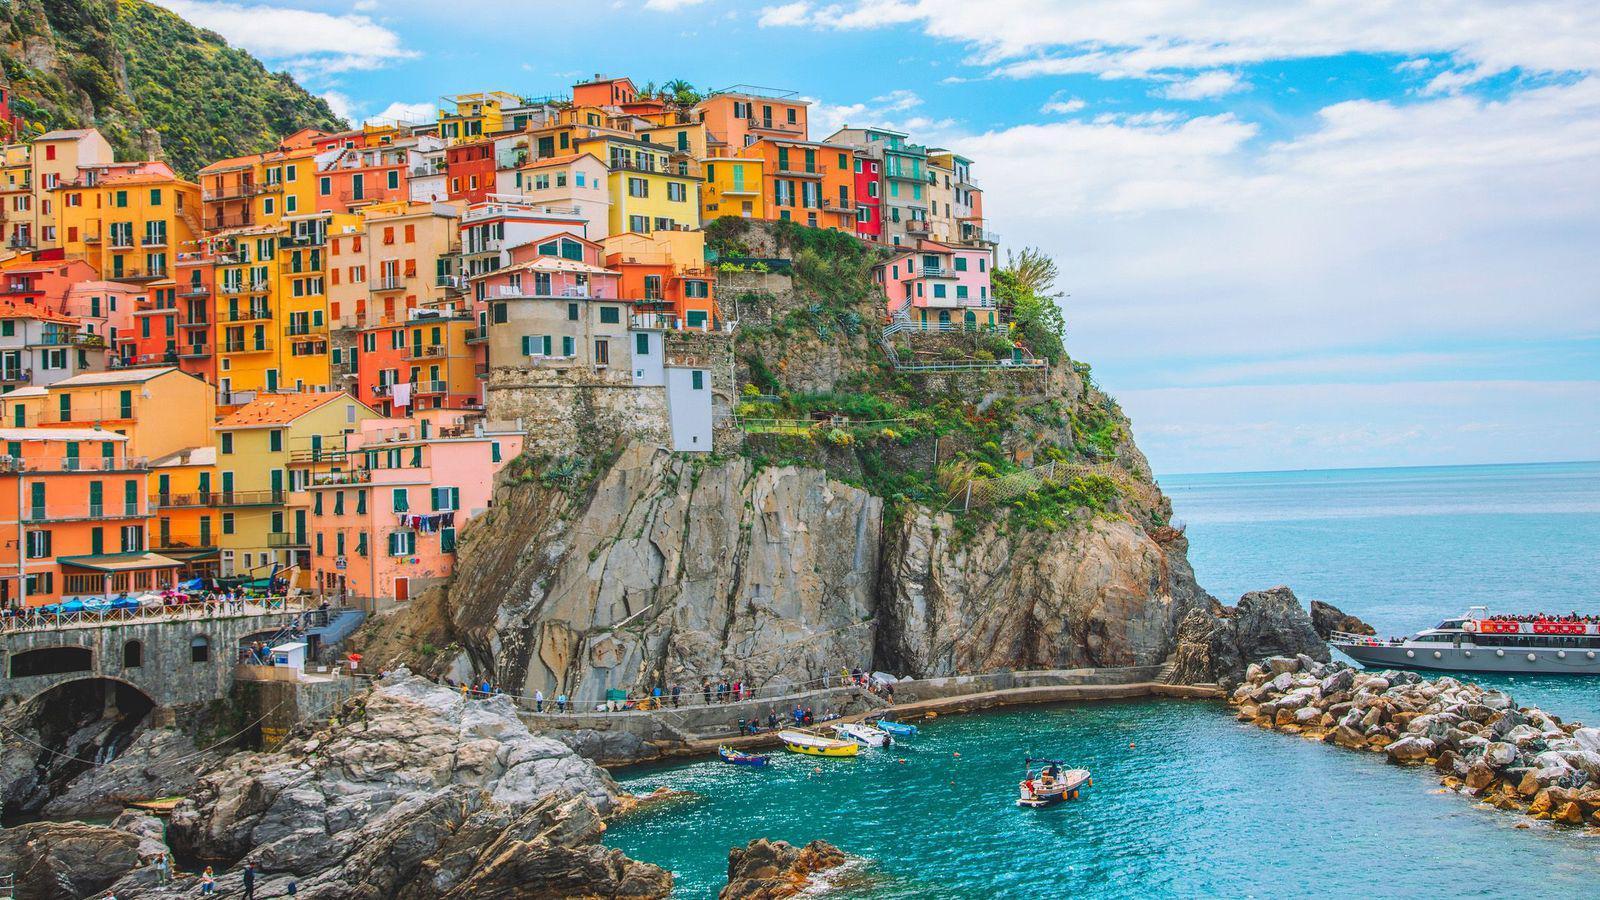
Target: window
132, 655
610, 315
199, 649
402, 501
227, 442
697, 379
602, 353
402, 543
569, 347
638, 187
961, 264
677, 191
447, 540
641, 344
38, 544
275, 441
227, 523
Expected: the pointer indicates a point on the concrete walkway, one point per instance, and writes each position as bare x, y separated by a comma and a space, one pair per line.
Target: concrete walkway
966, 703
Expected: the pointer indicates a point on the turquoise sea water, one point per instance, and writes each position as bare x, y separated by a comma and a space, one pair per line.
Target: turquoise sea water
1200, 805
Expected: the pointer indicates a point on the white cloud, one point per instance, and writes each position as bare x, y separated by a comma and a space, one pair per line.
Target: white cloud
787, 14
1203, 86
408, 112
1061, 105
1111, 38
670, 5
340, 104
311, 44
886, 111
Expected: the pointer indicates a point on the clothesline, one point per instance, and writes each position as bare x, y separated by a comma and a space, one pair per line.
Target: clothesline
427, 523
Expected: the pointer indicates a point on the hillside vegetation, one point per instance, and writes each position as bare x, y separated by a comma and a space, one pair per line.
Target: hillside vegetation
154, 84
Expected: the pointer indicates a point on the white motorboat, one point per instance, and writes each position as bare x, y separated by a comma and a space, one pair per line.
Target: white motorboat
863, 734
1479, 642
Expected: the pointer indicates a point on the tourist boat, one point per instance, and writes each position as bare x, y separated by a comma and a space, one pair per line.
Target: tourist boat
898, 729
1052, 783
1479, 642
862, 733
816, 745
734, 757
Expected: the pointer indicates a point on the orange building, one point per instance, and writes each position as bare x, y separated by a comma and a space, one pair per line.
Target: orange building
810, 183
665, 274
741, 115
74, 514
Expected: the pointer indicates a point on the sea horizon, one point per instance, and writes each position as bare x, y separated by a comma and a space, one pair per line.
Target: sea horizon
1422, 466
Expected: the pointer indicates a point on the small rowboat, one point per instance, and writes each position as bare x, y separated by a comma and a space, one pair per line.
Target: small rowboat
1052, 783
863, 734
816, 745
734, 757
898, 729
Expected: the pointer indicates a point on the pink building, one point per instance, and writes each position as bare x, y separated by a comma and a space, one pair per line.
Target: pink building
104, 307
386, 508
937, 286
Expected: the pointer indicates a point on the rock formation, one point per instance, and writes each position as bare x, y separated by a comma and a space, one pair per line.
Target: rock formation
1327, 618
1482, 744
1216, 644
772, 870
69, 860
420, 793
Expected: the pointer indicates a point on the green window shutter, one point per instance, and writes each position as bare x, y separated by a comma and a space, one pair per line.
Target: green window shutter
316, 503
361, 502
494, 451
641, 344
401, 503
447, 540
527, 345
569, 345
546, 345
97, 541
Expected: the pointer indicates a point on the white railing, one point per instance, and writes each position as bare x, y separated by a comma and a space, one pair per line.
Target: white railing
32, 619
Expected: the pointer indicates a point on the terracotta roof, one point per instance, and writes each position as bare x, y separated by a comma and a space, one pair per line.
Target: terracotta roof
559, 160
65, 134
12, 310
277, 409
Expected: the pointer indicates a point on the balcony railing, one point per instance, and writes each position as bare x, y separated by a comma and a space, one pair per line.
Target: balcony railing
250, 314
477, 335
134, 361
450, 282
15, 376
154, 240
432, 387
70, 339
288, 539
306, 329
427, 351
772, 125
61, 512
74, 464
214, 499
389, 283
918, 226
169, 541
570, 293
801, 172
194, 290
194, 351
334, 479
247, 346
236, 191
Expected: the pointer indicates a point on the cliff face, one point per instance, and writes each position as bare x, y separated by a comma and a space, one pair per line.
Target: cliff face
923, 522
155, 85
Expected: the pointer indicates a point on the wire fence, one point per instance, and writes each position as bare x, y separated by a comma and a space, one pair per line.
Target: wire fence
979, 492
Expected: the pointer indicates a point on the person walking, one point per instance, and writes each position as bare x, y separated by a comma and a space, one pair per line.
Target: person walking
561, 703
538, 700
677, 689
249, 881
163, 869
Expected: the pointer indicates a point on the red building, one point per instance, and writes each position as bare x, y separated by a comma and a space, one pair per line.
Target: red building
469, 171
361, 177
869, 204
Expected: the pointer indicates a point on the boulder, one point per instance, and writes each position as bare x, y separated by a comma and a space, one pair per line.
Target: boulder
1569, 814
1479, 776
1410, 749
1498, 755
1349, 738
68, 860
1327, 618
1340, 680
770, 870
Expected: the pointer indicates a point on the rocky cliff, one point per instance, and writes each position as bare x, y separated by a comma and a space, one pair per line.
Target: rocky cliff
935, 523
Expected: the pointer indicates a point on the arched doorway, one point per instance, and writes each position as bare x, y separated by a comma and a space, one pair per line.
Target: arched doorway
199, 649
133, 655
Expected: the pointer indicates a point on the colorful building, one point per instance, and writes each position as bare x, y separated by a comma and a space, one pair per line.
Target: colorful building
471, 116
386, 505
940, 286
665, 274
555, 305
576, 183
258, 536
646, 193
813, 184
734, 186
741, 115
75, 512
128, 221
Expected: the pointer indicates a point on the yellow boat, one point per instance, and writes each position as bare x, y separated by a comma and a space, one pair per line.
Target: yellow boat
816, 745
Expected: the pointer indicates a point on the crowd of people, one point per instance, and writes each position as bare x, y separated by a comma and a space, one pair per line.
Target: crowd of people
1572, 618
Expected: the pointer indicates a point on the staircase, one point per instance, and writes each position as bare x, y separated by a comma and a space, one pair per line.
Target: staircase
1165, 675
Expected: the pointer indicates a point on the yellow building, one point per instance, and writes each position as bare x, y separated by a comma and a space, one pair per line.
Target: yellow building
60, 159
17, 224
185, 509
246, 327
160, 410
254, 446
259, 189
733, 188
646, 193
471, 116
129, 221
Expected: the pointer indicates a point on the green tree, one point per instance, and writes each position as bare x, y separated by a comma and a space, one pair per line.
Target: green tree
1027, 284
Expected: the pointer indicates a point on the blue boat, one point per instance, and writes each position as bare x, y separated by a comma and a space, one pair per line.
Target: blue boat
1048, 781
734, 757
898, 729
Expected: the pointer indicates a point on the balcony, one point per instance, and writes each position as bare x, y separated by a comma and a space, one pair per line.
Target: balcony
566, 293
194, 290
153, 240
477, 335
388, 283
197, 320
221, 221
70, 339
91, 512
194, 351
236, 191
162, 543
16, 376
427, 351
137, 274
934, 272
774, 126
450, 282
918, 226
303, 240
260, 345
91, 238
288, 540
652, 321
80, 415
75, 464
20, 242
844, 206
248, 498
793, 172
432, 387
143, 360
250, 314
336, 479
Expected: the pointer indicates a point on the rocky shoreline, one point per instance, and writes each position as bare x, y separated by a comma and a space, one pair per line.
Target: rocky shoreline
1519, 759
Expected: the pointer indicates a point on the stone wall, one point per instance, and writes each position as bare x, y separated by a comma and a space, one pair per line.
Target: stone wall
165, 674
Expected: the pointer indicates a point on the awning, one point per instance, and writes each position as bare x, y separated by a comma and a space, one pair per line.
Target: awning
120, 562
193, 556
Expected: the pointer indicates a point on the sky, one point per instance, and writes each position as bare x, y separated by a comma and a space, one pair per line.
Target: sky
1290, 234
